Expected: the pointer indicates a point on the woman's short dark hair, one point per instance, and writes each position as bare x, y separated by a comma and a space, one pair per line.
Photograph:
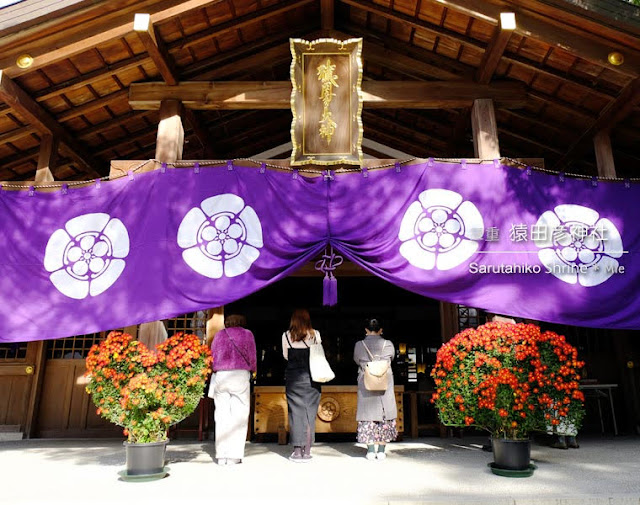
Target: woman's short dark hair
235, 320
373, 325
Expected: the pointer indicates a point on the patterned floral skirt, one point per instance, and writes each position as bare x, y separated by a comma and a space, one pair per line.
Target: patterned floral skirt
372, 432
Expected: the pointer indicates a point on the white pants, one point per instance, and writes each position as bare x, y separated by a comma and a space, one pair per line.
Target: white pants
231, 395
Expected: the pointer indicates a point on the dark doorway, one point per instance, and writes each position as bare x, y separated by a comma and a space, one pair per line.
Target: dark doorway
408, 319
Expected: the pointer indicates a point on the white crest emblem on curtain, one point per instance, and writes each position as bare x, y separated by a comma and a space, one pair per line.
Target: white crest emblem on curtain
87, 256
440, 230
221, 237
577, 237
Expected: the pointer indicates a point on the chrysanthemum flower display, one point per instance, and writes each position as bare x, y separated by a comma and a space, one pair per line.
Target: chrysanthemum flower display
147, 391
509, 379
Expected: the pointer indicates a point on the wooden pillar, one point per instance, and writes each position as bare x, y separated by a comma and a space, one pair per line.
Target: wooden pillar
604, 154
622, 347
170, 139
36, 354
46, 159
36, 350
486, 147
215, 322
448, 320
485, 129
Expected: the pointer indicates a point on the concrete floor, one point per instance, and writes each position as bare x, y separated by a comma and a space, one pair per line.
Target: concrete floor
427, 470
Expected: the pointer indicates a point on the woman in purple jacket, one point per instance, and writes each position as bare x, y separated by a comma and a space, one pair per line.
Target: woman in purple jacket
234, 358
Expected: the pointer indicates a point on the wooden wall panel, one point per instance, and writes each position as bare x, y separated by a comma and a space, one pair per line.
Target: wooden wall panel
19, 400
56, 395
6, 384
66, 410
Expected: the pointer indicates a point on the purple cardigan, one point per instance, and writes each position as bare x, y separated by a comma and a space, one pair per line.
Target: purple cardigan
227, 356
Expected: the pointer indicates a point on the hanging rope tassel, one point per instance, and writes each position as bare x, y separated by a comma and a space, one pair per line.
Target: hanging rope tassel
329, 262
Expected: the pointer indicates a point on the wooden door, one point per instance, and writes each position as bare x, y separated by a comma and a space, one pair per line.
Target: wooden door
21, 371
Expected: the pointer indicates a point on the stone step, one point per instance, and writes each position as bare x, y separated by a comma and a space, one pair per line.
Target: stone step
11, 436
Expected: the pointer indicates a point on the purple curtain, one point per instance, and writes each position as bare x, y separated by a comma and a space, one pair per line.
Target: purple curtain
510, 241
171, 242
161, 245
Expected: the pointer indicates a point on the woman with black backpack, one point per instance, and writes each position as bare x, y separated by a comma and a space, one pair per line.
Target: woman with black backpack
377, 411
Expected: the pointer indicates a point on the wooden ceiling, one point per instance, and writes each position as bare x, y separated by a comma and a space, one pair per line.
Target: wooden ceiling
86, 55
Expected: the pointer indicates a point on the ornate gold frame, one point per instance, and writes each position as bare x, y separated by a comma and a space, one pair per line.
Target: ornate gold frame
332, 48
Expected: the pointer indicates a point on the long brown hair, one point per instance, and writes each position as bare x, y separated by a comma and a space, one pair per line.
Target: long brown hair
300, 325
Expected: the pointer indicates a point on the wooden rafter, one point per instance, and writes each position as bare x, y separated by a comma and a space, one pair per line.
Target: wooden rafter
163, 61
148, 35
399, 46
593, 47
492, 55
67, 43
277, 94
610, 116
483, 75
237, 23
327, 14
14, 96
405, 65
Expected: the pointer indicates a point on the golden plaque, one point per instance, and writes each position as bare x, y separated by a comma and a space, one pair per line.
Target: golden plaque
326, 102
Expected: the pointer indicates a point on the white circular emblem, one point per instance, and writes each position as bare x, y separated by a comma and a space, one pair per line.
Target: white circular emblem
221, 237
440, 230
87, 256
578, 246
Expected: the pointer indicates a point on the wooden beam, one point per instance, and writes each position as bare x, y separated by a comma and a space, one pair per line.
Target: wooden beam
610, 116
164, 63
592, 47
155, 47
46, 159
604, 154
14, 96
277, 94
485, 130
327, 14
492, 55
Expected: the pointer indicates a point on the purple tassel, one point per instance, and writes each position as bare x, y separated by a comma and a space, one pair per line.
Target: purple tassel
326, 290
333, 291
329, 262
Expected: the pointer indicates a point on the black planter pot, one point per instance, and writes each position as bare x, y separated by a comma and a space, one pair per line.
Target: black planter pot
511, 454
145, 459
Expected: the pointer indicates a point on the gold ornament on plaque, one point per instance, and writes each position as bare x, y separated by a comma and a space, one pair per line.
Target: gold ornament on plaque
328, 80
326, 102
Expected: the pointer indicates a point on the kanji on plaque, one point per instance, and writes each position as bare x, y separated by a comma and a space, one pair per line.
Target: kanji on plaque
326, 102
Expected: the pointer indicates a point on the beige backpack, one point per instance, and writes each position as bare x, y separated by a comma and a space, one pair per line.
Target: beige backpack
376, 372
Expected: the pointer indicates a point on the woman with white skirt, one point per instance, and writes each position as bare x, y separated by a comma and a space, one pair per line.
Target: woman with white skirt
234, 358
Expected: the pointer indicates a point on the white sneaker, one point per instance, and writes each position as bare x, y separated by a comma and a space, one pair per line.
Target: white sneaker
222, 461
381, 455
371, 456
